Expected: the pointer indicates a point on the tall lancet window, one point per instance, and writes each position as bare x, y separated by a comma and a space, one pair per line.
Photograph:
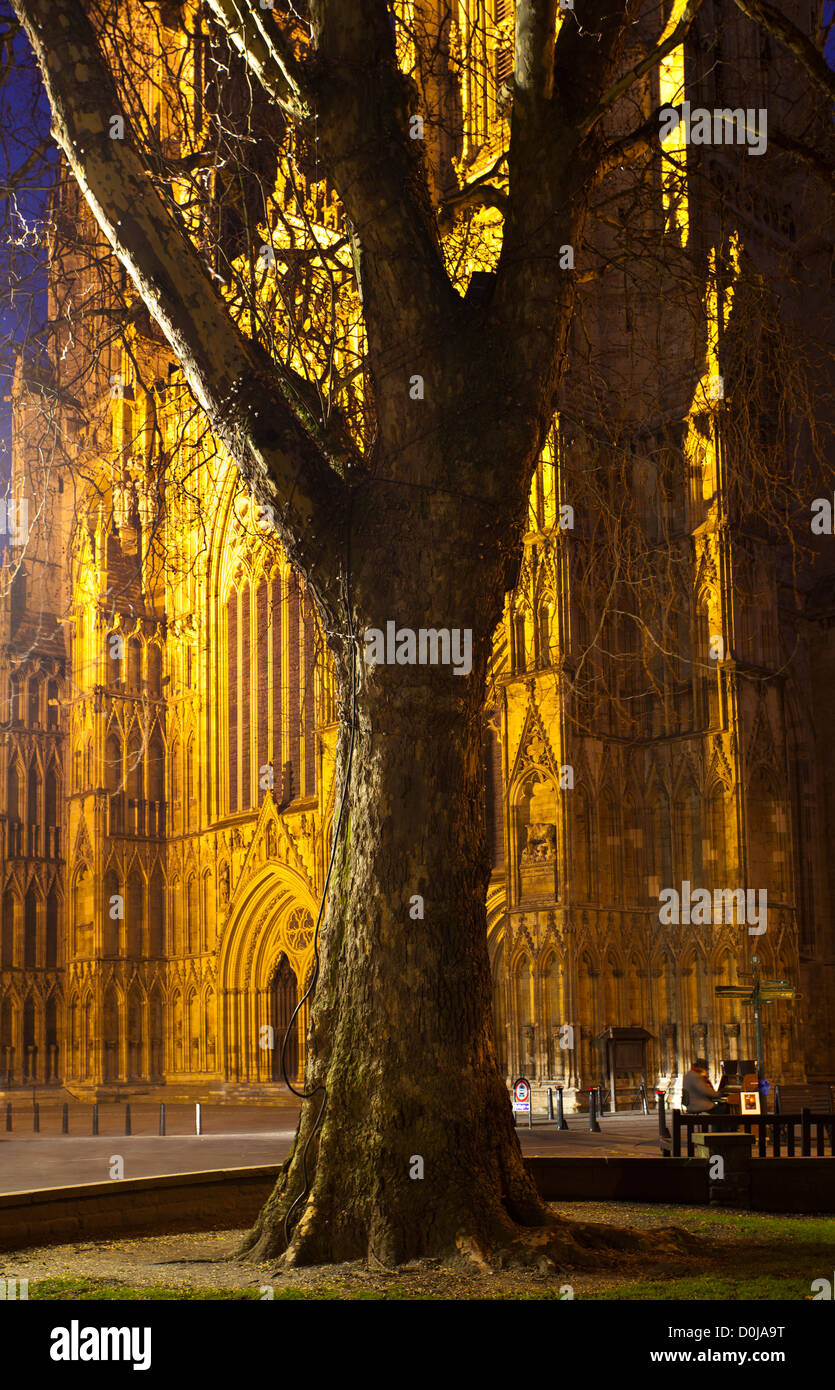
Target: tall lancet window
246, 702
232, 699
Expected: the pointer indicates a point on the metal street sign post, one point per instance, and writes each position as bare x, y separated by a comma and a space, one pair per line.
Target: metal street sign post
759, 992
522, 1099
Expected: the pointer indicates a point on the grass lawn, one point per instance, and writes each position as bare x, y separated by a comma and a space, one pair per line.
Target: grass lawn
740, 1257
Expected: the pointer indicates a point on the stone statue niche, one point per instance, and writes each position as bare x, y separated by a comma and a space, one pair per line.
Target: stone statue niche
537, 827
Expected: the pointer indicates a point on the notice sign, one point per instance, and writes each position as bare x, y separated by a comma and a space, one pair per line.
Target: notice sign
522, 1096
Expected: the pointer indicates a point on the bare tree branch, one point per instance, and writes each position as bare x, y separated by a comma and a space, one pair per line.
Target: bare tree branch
365, 106
798, 43
269, 58
673, 39
804, 153
536, 34
550, 174
473, 195
261, 410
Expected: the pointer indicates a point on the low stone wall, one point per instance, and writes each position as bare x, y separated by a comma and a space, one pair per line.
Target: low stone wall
773, 1184
229, 1198
621, 1179
220, 1199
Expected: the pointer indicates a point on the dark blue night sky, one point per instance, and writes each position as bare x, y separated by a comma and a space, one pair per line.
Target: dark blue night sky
24, 126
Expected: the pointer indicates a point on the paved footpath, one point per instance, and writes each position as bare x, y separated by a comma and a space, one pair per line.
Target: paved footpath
238, 1137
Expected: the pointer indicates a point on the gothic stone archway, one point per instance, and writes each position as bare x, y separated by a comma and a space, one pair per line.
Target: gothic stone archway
266, 953
284, 996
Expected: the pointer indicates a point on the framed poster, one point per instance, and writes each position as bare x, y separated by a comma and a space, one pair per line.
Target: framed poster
750, 1102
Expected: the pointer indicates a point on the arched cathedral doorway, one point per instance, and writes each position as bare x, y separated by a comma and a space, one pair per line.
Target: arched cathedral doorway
284, 996
264, 964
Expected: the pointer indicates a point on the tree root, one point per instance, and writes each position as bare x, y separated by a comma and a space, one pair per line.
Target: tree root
559, 1245
549, 1245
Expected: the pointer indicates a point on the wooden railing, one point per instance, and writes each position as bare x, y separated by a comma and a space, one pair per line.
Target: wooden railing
771, 1132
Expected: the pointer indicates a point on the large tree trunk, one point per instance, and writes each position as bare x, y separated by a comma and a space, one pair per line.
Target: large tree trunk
417, 1153
400, 1031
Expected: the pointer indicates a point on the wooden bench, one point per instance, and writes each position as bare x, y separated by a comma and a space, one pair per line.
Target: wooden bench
790, 1098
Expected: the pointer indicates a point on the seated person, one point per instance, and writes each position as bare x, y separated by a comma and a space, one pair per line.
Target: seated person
697, 1093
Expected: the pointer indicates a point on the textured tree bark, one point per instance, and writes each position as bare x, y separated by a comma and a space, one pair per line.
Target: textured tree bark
400, 1031
417, 1153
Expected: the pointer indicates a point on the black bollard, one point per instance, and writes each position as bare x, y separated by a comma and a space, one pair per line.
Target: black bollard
561, 1122
643, 1094
36, 1118
8, 1114
661, 1104
593, 1125
96, 1118
550, 1104
65, 1118
127, 1118
162, 1119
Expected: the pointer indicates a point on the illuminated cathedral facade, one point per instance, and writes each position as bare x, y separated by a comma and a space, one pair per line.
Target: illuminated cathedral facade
167, 732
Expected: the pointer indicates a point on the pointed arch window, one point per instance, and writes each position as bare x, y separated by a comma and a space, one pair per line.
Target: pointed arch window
609, 839
52, 929
16, 713
134, 666
7, 930
293, 683
156, 915
767, 834
13, 793
278, 725
51, 803
633, 846
156, 768
30, 929
546, 632
718, 855
309, 695
113, 762
135, 770
581, 845
176, 918
232, 696
154, 671
114, 915
661, 852
52, 706
523, 985
176, 785
207, 911
688, 847
499, 1007
83, 911
191, 786
246, 701
193, 916
494, 793
522, 639
262, 680
33, 717
135, 915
